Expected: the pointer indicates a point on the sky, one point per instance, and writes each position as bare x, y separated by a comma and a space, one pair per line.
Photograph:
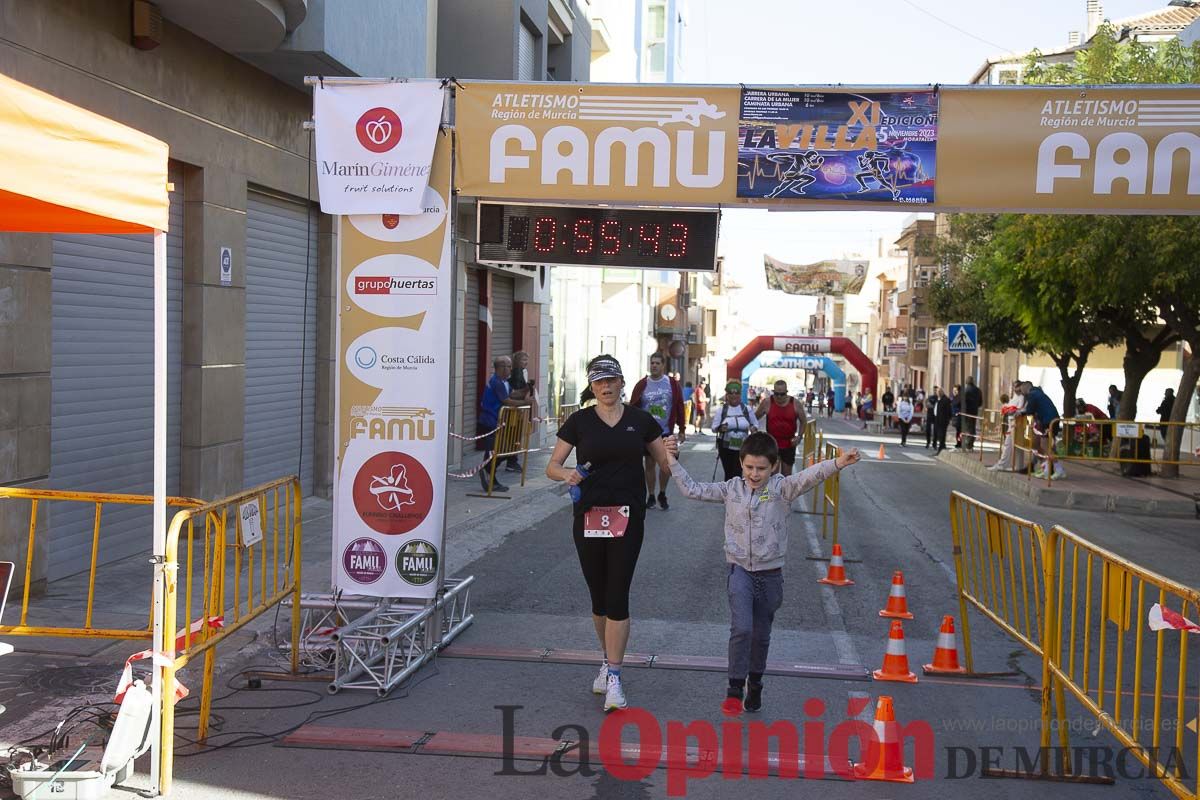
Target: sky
857, 42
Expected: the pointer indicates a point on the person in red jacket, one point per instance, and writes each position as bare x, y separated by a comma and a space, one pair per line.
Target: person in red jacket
662, 397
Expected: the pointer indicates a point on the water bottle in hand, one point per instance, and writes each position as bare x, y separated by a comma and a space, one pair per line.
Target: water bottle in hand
576, 491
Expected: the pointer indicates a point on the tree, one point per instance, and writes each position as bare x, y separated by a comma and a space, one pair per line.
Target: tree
1174, 241
966, 293
1149, 280
1015, 274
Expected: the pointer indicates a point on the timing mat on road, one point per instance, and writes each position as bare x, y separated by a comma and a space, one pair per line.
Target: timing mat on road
841, 672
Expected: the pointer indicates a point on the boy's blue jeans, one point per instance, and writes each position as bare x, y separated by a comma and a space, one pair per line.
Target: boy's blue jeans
754, 597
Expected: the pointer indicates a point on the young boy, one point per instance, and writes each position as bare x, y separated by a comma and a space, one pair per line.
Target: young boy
757, 507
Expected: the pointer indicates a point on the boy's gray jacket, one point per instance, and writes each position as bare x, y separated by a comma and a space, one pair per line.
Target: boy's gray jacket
756, 531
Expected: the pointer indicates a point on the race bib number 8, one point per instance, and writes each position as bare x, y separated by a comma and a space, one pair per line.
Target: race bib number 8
605, 522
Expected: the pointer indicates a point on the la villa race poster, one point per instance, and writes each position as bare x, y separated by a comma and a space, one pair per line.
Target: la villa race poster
867, 147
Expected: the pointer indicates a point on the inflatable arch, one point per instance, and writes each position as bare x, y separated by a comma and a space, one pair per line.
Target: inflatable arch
807, 346
823, 363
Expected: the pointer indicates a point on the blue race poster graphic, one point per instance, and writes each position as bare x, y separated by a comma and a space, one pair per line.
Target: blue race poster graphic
864, 147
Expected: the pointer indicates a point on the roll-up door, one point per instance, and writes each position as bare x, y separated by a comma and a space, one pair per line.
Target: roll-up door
470, 392
102, 386
527, 47
502, 316
281, 339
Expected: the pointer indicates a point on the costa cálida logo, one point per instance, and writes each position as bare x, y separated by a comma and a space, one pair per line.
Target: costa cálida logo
379, 129
392, 493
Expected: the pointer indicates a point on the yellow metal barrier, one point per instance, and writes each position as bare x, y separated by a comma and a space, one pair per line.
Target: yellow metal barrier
1099, 598
38, 497
998, 568
831, 496
1089, 439
565, 411
512, 439
225, 593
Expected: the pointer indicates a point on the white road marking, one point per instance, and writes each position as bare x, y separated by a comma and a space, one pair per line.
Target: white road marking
704, 447
918, 457
842, 642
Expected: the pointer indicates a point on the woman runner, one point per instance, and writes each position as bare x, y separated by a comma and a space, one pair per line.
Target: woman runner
610, 439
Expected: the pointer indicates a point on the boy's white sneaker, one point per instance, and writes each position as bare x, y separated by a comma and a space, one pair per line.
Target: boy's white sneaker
600, 685
614, 697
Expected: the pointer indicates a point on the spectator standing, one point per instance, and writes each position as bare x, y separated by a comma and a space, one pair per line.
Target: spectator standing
972, 400
930, 409
1114, 401
1164, 413
955, 418
661, 396
829, 403
1045, 418
943, 412
889, 404
495, 396
904, 417
1009, 408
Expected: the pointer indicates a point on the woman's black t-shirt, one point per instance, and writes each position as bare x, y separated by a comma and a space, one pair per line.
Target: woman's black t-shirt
616, 477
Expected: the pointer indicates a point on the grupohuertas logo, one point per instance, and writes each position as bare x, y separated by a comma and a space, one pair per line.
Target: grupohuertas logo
379, 129
417, 562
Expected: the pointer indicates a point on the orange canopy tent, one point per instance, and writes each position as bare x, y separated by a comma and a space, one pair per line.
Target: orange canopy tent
67, 170
64, 169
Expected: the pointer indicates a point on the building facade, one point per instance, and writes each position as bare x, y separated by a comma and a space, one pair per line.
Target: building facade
250, 258
505, 308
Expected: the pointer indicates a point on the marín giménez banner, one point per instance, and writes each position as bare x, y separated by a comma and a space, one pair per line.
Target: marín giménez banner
812, 145
375, 145
822, 278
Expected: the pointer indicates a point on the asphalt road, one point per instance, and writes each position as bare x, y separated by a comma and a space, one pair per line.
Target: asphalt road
530, 594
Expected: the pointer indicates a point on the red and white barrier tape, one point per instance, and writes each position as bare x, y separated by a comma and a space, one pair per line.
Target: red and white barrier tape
156, 658
470, 473
1161, 619
481, 465
477, 438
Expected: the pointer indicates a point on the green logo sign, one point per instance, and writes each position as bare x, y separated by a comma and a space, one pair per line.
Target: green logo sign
417, 562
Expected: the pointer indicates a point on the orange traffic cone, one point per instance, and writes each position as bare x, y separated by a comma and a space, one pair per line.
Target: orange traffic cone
945, 656
897, 604
885, 758
837, 570
895, 662
882, 454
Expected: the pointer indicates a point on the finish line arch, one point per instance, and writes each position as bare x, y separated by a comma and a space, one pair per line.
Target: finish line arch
837, 377
806, 345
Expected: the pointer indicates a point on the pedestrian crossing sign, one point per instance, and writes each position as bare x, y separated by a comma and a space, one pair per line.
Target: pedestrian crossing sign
962, 337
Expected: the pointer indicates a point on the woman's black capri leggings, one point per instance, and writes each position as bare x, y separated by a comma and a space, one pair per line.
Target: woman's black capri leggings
608, 566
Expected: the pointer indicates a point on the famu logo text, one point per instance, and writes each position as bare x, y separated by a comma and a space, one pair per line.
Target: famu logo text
392, 423
569, 154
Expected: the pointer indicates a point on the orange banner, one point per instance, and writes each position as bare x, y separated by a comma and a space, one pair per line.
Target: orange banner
1121, 149
598, 143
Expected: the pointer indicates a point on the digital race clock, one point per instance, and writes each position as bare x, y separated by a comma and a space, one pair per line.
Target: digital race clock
638, 238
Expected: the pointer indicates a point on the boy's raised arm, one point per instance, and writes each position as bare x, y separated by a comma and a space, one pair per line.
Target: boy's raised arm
800, 482
711, 492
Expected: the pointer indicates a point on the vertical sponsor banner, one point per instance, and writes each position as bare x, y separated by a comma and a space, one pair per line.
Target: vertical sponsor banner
868, 147
374, 145
395, 311
1123, 149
